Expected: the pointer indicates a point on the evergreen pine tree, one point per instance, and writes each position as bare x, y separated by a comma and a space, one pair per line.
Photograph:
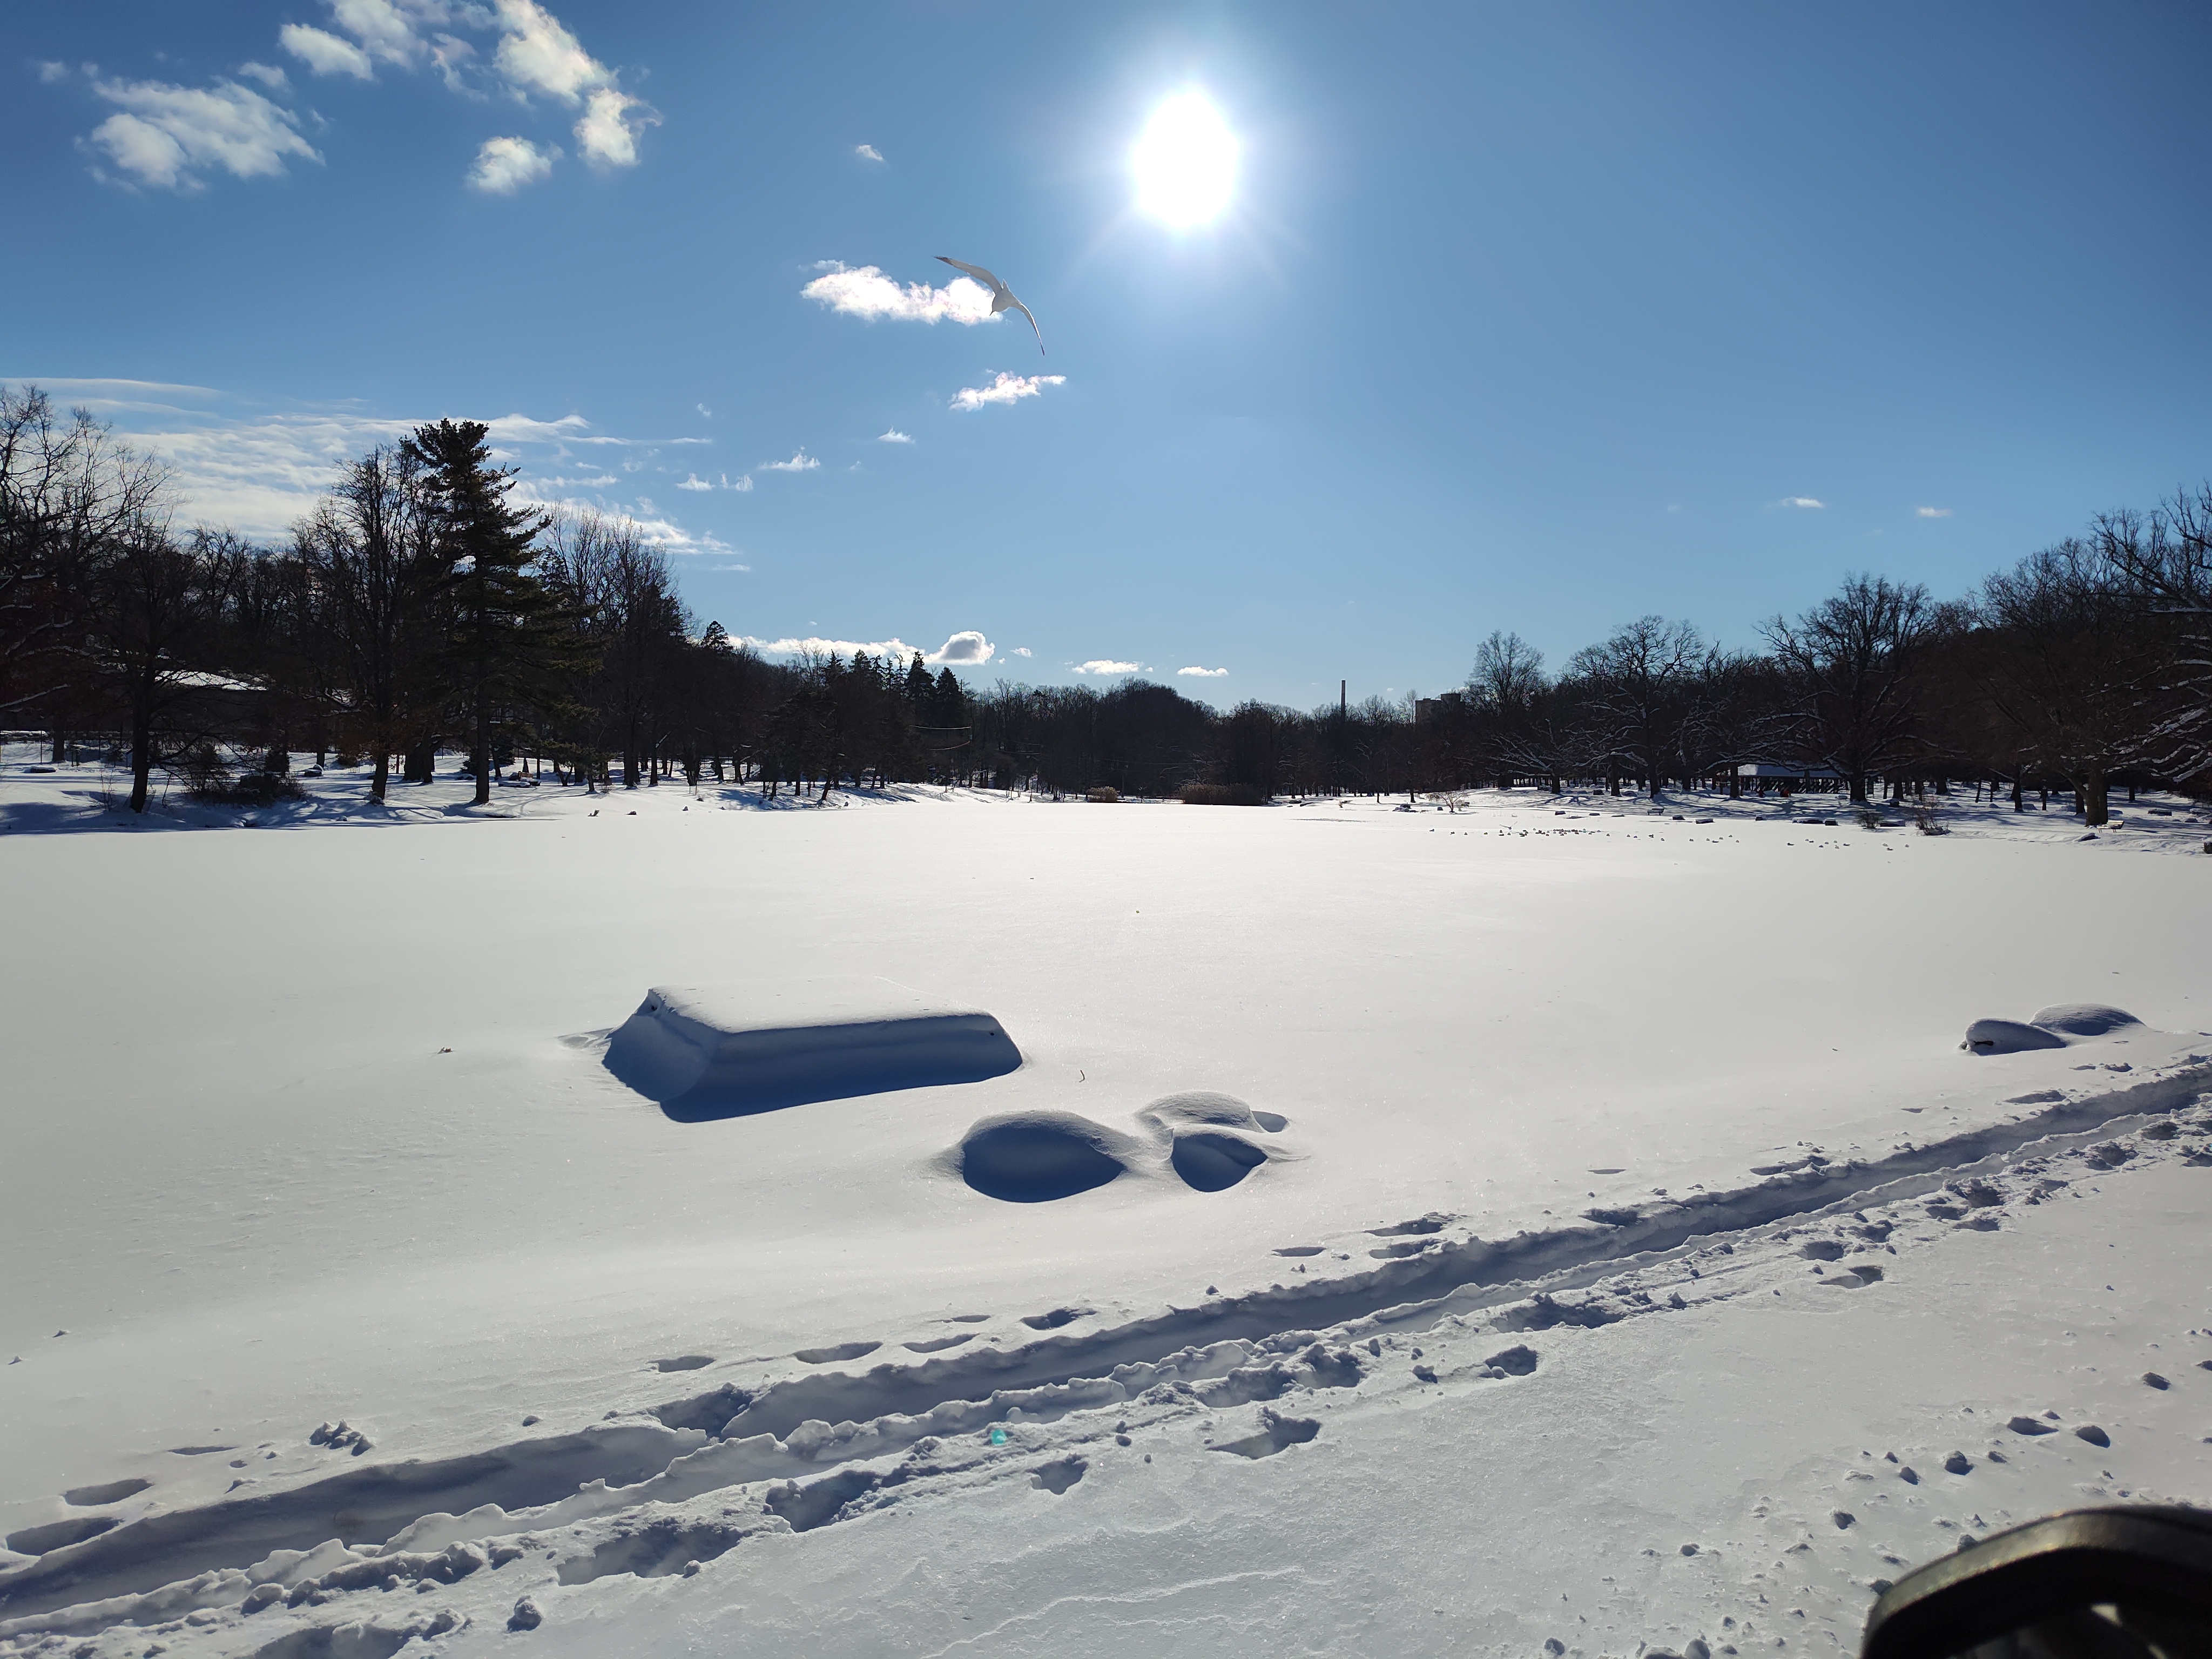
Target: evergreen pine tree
511, 644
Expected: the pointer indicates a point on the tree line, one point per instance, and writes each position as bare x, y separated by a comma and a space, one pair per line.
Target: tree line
422, 609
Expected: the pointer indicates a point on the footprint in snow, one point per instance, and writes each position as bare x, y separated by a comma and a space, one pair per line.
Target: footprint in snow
832, 1355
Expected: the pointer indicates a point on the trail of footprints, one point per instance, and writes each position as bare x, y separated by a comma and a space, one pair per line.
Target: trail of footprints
1242, 1396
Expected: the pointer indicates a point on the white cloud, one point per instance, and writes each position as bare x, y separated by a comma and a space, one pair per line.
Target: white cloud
324, 52
695, 481
1006, 389
260, 475
166, 135
868, 293
504, 166
607, 135
801, 461
726, 568
385, 31
536, 53
867, 152
51, 72
1204, 673
703, 410
814, 646
967, 646
893, 436
1107, 665
1932, 512
1021, 651
1799, 501
268, 74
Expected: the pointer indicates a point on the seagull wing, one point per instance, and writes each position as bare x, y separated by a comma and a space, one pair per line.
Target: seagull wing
1034, 329
979, 275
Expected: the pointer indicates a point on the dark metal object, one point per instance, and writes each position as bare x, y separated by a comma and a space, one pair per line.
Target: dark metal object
2110, 1584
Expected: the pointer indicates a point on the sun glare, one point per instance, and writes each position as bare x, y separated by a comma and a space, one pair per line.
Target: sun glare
1185, 161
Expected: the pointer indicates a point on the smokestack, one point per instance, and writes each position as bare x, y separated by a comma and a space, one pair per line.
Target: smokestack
1341, 707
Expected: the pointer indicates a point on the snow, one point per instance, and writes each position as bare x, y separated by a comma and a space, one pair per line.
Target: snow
296, 1140
762, 1045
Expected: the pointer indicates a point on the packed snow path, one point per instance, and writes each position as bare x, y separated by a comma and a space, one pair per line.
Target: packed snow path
258, 1199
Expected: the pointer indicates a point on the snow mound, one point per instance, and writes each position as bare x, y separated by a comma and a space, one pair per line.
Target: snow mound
2085, 1019
709, 1052
2053, 1028
1212, 1162
2008, 1037
1197, 1109
1194, 1123
1034, 1158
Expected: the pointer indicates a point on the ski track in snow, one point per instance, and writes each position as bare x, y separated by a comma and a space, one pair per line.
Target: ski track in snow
1400, 1344
211, 1565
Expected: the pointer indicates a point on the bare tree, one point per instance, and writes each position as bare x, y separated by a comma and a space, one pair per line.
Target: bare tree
2165, 562
157, 605
2059, 657
1856, 702
1636, 689
69, 493
374, 534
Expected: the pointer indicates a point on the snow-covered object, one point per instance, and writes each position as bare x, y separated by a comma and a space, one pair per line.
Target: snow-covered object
725, 1051
2009, 1036
2085, 1019
2055, 1027
1035, 1156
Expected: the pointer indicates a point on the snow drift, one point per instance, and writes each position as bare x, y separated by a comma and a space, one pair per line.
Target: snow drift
708, 1052
2055, 1027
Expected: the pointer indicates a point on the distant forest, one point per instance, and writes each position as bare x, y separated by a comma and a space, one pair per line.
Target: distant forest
421, 610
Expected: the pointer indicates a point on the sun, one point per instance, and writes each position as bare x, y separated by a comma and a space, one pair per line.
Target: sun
1185, 162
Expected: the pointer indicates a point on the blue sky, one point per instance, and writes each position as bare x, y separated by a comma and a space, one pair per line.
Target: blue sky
1527, 317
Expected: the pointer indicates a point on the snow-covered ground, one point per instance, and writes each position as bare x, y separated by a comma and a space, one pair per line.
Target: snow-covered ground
1548, 1314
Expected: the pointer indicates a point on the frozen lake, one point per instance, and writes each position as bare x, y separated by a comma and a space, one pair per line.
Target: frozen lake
311, 1122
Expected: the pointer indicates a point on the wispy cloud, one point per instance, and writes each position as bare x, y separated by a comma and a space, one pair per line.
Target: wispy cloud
704, 411
51, 72
966, 648
1932, 512
801, 461
506, 165
727, 569
893, 436
694, 482
868, 293
1108, 666
1204, 673
533, 55
1799, 501
815, 645
325, 53
268, 74
867, 152
1021, 651
261, 474
1006, 389
167, 137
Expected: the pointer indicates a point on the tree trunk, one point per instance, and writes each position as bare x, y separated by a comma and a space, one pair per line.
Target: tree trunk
2018, 805
142, 756
382, 775
2093, 796
1858, 788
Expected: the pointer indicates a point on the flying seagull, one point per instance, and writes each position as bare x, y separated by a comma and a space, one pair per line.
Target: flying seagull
1002, 297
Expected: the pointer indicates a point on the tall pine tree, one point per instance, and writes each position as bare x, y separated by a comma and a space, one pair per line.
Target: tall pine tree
513, 648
